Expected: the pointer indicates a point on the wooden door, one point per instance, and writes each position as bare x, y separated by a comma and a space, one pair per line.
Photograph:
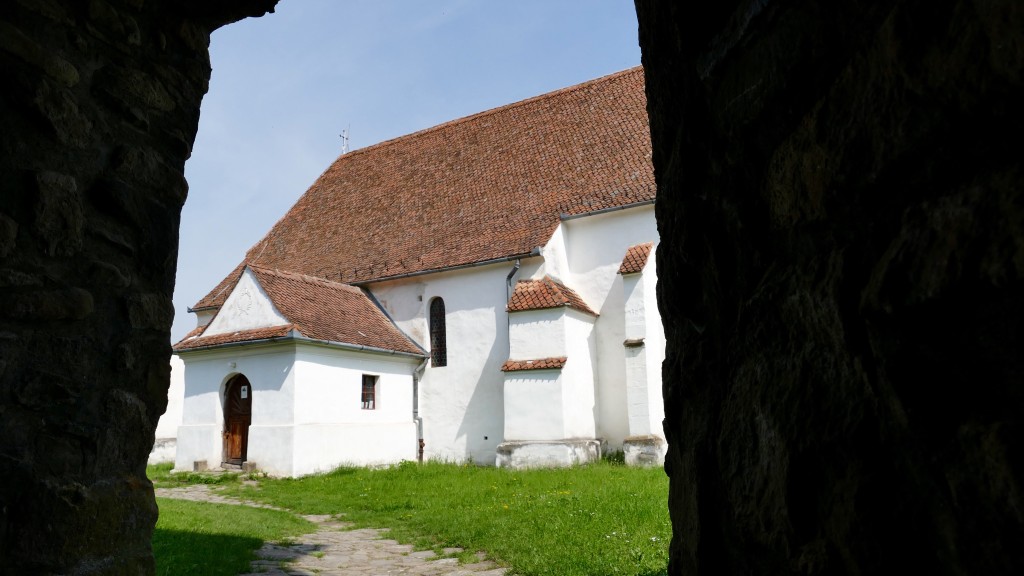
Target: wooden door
237, 417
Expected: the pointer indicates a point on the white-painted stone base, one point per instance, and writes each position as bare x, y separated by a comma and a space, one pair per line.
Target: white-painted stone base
520, 454
645, 450
163, 450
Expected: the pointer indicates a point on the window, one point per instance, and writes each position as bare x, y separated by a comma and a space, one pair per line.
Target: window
438, 340
369, 392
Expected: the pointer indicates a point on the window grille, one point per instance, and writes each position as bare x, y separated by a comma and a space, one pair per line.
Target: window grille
369, 392
438, 338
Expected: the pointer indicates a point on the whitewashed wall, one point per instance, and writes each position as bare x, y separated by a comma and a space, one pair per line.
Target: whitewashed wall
461, 403
534, 402
581, 380
538, 334
551, 404
535, 399
246, 307
332, 428
555, 258
167, 427
595, 246
638, 401
654, 346
268, 368
323, 447
307, 411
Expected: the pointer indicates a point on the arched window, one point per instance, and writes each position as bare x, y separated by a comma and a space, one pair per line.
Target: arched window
438, 340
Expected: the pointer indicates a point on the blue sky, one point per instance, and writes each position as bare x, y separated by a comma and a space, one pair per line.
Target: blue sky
285, 85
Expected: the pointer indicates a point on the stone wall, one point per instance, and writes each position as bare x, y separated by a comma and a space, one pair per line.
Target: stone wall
97, 116
841, 207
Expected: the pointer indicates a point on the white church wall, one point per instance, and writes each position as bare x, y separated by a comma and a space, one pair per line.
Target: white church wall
536, 334
329, 386
646, 444
654, 345
580, 380
635, 308
534, 402
637, 391
332, 428
271, 448
637, 384
555, 259
595, 246
461, 403
268, 369
324, 447
167, 427
246, 307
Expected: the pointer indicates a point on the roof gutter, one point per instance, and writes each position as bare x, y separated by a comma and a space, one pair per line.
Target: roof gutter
360, 347
300, 338
534, 252
235, 344
566, 216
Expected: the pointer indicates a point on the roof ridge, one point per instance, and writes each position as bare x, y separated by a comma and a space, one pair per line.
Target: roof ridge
475, 201
488, 112
558, 287
304, 277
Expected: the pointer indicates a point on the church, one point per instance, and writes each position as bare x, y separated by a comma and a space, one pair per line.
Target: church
480, 291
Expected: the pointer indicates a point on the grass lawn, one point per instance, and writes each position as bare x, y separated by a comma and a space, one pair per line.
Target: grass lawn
200, 539
593, 520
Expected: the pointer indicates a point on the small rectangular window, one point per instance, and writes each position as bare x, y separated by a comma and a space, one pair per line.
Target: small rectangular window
369, 392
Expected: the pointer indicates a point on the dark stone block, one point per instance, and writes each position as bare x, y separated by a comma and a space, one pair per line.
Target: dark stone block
99, 110
840, 276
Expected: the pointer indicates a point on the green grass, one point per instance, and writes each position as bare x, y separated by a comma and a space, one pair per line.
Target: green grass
162, 477
201, 539
599, 519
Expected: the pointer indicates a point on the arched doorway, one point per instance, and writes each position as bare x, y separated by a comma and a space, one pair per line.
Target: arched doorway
237, 417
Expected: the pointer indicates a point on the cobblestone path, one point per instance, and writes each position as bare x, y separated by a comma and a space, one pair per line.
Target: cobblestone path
336, 550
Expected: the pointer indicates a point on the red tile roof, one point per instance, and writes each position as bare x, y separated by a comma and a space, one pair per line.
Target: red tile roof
194, 332
636, 258
330, 311
190, 342
540, 364
545, 293
323, 310
484, 187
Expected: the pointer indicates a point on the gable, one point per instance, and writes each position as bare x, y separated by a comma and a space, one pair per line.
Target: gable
332, 312
246, 307
266, 304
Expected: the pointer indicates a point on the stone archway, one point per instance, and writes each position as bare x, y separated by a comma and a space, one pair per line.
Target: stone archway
97, 116
813, 165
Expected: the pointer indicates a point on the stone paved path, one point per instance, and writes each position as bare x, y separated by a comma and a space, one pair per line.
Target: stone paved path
336, 550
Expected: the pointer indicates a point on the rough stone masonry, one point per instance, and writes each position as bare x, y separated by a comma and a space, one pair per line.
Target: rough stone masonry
840, 206
98, 114
841, 210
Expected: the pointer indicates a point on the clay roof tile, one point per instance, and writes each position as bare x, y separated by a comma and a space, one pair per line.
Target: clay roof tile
545, 293
636, 258
539, 364
332, 312
190, 342
488, 186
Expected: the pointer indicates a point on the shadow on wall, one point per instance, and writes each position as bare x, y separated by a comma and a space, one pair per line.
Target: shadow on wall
486, 430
